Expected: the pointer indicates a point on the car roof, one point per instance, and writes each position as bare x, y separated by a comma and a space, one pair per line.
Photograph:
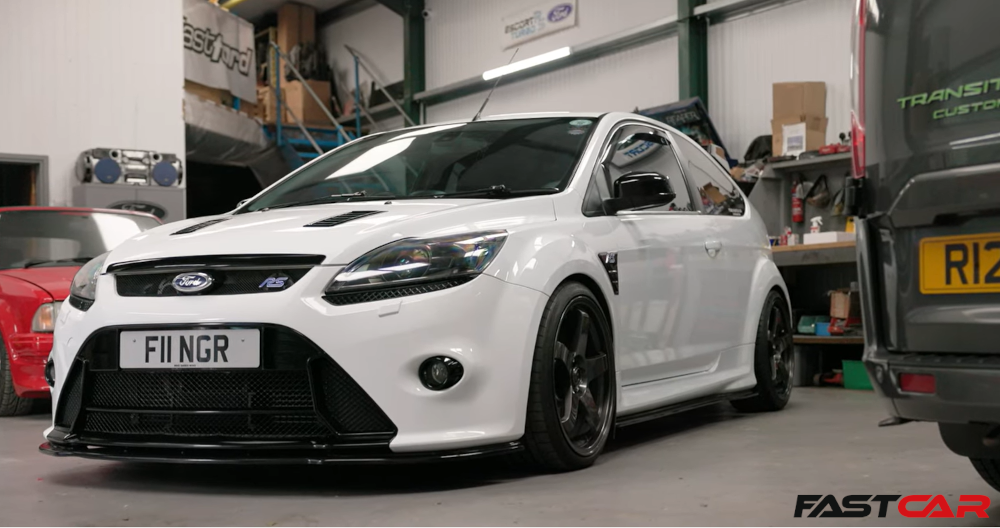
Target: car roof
616, 116
531, 115
72, 210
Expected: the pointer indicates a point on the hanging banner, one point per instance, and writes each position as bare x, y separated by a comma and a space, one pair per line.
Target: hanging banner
219, 50
538, 20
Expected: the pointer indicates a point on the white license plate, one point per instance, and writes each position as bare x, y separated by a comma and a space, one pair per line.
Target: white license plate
189, 349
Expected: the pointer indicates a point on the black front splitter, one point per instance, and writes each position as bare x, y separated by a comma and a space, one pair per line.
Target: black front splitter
208, 455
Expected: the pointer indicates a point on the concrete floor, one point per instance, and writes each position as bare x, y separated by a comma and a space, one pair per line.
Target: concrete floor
706, 467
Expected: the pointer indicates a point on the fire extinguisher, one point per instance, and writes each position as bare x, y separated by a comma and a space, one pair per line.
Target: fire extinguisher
798, 212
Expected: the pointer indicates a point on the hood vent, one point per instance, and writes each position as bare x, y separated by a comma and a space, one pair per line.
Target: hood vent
342, 218
192, 229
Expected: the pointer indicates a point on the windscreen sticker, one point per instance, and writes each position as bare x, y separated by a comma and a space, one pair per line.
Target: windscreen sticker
973, 89
578, 126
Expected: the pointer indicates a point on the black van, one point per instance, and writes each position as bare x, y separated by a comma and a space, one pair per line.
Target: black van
926, 144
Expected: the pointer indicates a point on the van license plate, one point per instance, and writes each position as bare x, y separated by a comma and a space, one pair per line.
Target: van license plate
190, 349
960, 264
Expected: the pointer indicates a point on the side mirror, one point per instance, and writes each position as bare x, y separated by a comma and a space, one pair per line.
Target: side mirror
640, 190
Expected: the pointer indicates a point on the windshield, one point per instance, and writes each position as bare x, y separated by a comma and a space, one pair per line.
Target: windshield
63, 238
488, 158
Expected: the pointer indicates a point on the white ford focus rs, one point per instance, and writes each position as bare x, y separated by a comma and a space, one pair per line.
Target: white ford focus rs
514, 284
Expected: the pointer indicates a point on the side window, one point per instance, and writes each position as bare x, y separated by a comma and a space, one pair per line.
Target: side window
631, 153
716, 190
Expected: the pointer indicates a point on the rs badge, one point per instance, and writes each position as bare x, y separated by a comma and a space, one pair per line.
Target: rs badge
275, 282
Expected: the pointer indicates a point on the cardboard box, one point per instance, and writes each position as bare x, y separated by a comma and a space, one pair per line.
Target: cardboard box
302, 103
844, 304
215, 95
307, 24
798, 98
296, 24
266, 109
827, 237
298, 100
815, 132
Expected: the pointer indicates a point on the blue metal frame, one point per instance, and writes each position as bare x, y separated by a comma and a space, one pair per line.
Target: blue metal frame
288, 140
277, 102
357, 98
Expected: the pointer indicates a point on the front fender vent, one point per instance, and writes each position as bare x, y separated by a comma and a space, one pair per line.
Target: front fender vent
202, 225
342, 218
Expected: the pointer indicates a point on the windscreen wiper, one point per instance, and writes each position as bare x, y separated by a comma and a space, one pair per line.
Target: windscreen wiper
333, 198
497, 191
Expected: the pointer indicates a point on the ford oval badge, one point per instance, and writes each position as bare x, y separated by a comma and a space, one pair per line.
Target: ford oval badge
560, 12
192, 282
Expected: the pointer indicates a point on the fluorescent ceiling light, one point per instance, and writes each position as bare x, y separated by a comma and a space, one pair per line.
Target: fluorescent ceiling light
527, 63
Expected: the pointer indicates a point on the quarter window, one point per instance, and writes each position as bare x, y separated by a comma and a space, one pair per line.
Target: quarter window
717, 192
633, 150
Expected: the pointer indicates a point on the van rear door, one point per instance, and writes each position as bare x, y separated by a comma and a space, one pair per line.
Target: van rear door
927, 103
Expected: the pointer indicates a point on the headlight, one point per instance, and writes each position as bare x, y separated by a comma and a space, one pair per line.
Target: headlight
83, 291
45, 317
420, 261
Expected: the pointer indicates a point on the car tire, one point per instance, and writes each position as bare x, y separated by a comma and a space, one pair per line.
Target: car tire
989, 470
773, 358
572, 396
10, 403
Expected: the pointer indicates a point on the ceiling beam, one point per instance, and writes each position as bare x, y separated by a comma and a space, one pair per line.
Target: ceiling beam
348, 8
397, 6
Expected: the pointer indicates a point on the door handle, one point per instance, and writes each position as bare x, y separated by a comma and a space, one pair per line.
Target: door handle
713, 247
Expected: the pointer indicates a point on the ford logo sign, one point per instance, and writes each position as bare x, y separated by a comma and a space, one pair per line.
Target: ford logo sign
560, 12
192, 282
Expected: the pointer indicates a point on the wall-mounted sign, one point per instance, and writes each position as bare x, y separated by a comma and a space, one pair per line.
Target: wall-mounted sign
538, 20
219, 49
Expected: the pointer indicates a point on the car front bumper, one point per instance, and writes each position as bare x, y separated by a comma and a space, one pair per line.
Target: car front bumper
28, 354
487, 324
308, 454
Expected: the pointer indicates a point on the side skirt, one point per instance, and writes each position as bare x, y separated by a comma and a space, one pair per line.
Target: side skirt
674, 408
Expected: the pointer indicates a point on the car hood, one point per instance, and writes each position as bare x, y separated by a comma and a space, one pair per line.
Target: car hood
55, 281
285, 231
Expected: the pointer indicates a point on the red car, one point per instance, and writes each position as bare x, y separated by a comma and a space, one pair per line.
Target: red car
41, 248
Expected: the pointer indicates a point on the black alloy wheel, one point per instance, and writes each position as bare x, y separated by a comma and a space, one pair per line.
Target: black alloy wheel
779, 339
774, 359
581, 377
572, 395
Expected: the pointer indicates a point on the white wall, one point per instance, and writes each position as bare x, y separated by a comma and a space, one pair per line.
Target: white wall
464, 39
641, 77
77, 75
377, 34
808, 40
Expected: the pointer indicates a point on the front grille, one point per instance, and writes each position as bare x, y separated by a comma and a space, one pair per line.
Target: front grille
226, 282
192, 390
298, 393
231, 426
342, 399
73, 397
392, 293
